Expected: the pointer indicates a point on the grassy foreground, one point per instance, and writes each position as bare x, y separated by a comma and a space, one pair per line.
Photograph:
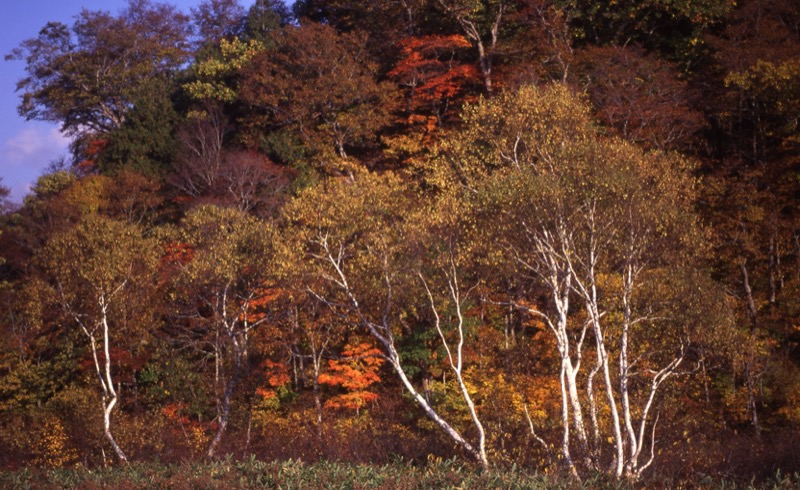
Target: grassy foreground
287, 475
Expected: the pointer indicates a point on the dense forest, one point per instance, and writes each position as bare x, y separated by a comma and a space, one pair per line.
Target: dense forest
559, 235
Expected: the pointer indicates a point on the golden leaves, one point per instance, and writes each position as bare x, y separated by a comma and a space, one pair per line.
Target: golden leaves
213, 75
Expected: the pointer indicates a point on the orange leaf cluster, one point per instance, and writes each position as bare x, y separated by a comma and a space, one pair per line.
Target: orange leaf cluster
428, 66
93, 149
174, 412
264, 297
356, 372
278, 375
176, 254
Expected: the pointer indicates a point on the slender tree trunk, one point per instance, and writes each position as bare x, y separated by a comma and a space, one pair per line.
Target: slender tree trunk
773, 286
110, 397
750, 376
109, 402
627, 320
565, 423
596, 447
571, 375
559, 282
485, 62
317, 362
619, 456
317, 353
394, 360
223, 415
571, 369
248, 432
456, 359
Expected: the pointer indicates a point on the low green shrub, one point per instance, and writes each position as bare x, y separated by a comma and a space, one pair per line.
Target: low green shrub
296, 475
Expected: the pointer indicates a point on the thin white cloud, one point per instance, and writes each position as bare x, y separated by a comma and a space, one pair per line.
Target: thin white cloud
31, 145
26, 154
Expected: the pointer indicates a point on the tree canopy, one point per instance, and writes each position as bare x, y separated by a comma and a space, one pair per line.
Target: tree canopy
554, 235
85, 76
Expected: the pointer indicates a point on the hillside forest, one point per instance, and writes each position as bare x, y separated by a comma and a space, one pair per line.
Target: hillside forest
560, 235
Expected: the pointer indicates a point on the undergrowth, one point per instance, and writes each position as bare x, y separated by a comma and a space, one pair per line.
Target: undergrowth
296, 475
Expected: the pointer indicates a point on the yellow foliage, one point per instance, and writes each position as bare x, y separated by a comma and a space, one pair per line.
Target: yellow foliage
51, 446
211, 83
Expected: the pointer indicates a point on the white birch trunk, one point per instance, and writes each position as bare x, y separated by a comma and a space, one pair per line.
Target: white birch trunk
382, 332
457, 364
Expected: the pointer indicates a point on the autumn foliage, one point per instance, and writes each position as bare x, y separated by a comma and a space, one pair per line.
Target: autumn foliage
355, 373
437, 81
555, 235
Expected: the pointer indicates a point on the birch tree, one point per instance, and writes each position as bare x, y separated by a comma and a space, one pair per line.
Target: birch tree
94, 269
580, 213
223, 290
356, 236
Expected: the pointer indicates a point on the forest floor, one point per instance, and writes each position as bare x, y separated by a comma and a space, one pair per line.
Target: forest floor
288, 475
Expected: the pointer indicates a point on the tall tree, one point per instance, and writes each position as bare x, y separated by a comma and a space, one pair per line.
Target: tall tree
585, 215
368, 240
321, 86
98, 272
221, 291
86, 76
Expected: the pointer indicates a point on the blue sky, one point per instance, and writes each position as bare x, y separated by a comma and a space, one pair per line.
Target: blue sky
26, 148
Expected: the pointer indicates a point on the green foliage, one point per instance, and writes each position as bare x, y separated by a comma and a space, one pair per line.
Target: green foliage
253, 473
287, 474
285, 146
51, 184
146, 142
170, 379
26, 386
265, 17
674, 27
415, 351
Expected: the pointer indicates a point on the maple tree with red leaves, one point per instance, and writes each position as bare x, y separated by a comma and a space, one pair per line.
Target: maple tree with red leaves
437, 81
355, 372
277, 375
